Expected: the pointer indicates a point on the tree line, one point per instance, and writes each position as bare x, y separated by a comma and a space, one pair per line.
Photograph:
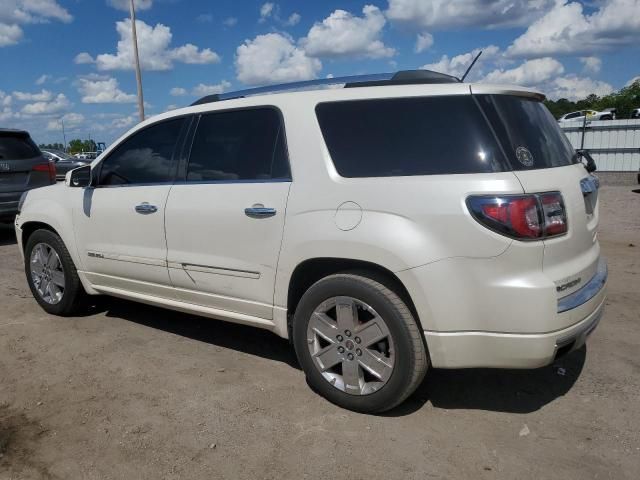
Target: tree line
624, 101
75, 146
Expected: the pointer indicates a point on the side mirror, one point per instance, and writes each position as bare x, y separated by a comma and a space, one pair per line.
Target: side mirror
79, 177
590, 166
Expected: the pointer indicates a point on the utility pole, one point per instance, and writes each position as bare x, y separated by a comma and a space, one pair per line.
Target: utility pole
137, 61
64, 135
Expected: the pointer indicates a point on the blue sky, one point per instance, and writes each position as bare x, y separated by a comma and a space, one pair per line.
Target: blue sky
71, 59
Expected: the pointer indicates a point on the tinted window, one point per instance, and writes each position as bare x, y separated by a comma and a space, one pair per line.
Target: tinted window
522, 125
148, 156
408, 136
573, 115
17, 147
239, 145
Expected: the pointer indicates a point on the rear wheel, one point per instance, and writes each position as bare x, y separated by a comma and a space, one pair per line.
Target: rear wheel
51, 274
358, 343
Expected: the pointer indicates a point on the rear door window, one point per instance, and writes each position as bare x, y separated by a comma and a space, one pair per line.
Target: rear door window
409, 136
239, 145
529, 134
17, 147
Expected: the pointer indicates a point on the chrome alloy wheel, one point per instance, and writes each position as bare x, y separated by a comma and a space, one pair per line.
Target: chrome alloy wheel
351, 345
47, 273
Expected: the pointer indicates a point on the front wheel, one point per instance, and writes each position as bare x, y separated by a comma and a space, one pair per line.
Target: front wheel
358, 343
51, 274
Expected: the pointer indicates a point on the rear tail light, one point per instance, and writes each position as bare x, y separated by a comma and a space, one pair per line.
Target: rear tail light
49, 167
524, 217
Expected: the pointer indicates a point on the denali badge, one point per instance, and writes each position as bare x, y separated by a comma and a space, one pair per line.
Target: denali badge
568, 285
524, 156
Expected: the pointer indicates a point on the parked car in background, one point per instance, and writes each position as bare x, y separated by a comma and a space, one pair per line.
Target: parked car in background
590, 114
22, 168
407, 222
64, 162
635, 113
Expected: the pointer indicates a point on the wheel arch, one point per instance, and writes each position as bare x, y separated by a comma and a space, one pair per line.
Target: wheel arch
309, 271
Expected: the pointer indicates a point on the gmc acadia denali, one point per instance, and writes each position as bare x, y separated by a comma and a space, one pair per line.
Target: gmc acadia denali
402, 222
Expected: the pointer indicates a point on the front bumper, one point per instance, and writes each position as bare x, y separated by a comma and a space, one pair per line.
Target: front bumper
473, 349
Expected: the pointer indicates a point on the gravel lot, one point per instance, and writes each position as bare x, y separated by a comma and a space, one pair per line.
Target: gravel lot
132, 391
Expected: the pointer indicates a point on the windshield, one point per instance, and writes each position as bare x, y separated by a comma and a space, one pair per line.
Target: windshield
529, 134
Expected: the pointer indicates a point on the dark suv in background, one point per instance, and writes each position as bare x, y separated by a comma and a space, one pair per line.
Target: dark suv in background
22, 168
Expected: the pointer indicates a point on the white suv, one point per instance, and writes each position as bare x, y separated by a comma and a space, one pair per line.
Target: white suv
401, 222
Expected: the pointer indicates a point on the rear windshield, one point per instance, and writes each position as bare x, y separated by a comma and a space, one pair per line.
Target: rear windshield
528, 132
409, 136
17, 147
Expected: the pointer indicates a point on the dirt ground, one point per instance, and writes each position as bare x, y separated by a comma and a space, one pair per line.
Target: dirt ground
134, 392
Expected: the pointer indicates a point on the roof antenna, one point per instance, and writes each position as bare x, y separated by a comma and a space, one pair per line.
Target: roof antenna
471, 66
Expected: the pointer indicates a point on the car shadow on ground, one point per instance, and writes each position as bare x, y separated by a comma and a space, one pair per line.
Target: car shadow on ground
512, 391
7, 235
497, 390
242, 338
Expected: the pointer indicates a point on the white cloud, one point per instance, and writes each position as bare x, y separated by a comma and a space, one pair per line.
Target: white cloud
458, 64
153, 45
5, 99
204, 18
56, 105
424, 41
448, 14
15, 13
265, 11
42, 96
567, 30
531, 72
124, 5
201, 89
9, 34
273, 58
178, 92
591, 64
71, 122
42, 79
230, 22
190, 54
100, 89
342, 34
573, 87
632, 81
83, 58
293, 19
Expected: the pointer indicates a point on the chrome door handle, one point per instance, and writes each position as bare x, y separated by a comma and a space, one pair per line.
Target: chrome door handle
259, 212
145, 208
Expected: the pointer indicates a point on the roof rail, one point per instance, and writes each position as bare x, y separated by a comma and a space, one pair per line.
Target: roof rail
404, 77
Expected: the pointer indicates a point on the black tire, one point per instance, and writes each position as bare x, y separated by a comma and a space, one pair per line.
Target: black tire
411, 361
74, 298
606, 117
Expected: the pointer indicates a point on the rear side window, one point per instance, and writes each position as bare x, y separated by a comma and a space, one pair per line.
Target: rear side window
17, 147
529, 134
147, 156
408, 136
239, 145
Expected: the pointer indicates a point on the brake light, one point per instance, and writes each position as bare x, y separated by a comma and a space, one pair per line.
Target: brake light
525, 217
49, 167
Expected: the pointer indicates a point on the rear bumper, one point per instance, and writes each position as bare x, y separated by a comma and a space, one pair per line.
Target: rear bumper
9, 204
548, 327
506, 350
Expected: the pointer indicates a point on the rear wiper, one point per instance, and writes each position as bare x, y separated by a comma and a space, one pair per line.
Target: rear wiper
581, 153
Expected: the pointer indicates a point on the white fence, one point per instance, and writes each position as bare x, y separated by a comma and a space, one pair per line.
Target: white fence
613, 144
